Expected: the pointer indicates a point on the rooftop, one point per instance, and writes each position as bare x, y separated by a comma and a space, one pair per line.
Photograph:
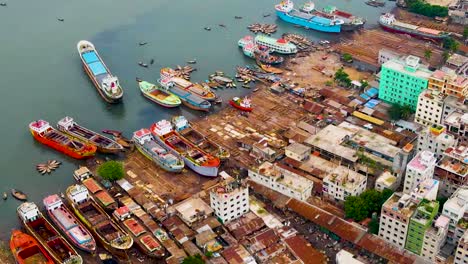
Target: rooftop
304, 250
401, 203
457, 59
411, 62
228, 187
458, 201
345, 177
386, 179
455, 160
455, 102
297, 148
346, 257
192, 207
237, 254
330, 139
284, 177
425, 187
425, 212
433, 95
457, 118
423, 161
451, 76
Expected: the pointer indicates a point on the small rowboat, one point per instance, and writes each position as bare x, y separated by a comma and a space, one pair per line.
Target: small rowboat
158, 94
5, 196
19, 195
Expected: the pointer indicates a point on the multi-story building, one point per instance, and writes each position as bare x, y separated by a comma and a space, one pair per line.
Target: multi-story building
434, 239
448, 82
430, 108
345, 257
455, 104
395, 218
457, 125
452, 170
386, 181
456, 209
426, 190
401, 81
297, 151
420, 168
419, 223
436, 140
229, 200
343, 182
386, 55
461, 254
282, 181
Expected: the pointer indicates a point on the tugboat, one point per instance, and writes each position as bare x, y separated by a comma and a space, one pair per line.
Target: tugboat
158, 94
107, 84
145, 241
38, 226
156, 152
195, 158
103, 144
44, 133
110, 235
26, 250
68, 224
243, 105
183, 127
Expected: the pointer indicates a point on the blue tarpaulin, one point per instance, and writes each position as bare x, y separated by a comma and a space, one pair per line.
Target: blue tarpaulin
97, 68
90, 57
372, 103
363, 95
372, 92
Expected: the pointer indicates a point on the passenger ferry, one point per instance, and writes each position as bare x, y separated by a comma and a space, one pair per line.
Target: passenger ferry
276, 45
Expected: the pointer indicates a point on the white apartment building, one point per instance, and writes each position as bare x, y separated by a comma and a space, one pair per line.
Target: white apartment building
461, 255
395, 217
297, 151
386, 180
345, 257
434, 239
229, 200
343, 182
282, 181
436, 140
420, 168
455, 209
430, 107
426, 189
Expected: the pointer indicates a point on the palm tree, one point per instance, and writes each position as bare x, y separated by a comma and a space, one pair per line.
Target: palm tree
406, 111
427, 54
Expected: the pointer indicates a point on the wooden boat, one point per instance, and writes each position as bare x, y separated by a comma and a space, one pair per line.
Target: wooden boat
145, 241
106, 84
47, 135
19, 195
109, 234
49, 238
243, 104
114, 133
26, 250
269, 68
183, 127
158, 94
187, 97
195, 158
193, 88
103, 144
5, 196
71, 227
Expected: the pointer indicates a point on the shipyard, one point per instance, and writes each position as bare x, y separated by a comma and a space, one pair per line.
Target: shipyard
347, 146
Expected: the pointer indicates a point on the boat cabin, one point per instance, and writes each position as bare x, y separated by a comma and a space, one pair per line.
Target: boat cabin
79, 194
122, 213
52, 202
142, 136
180, 123
82, 173
28, 212
40, 126
162, 128
66, 123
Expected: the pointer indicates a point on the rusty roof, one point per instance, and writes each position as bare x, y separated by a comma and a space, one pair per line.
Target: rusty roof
279, 200
263, 240
304, 250
313, 107
380, 247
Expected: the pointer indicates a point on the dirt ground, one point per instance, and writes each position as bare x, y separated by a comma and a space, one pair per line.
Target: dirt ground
421, 20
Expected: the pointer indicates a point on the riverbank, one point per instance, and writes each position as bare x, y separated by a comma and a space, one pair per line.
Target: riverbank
5, 254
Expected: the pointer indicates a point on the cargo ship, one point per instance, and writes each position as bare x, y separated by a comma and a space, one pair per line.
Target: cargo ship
188, 98
100, 195
49, 238
183, 127
145, 241
156, 152
26, 250
194, 88
106, 84
195, 158
158, 94
307, 18
109, 234
275, 45
350, 21
391, 24
103, 144
47, 135
76, 233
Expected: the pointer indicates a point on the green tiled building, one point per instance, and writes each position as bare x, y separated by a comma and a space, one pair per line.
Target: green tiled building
420, 221
401, 81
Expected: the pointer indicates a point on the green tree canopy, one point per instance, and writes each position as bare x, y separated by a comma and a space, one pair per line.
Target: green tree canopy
356, 208
427, 54
111, 170
450, 44
465, 33
426, 9
347, 57
395, 112
197, 259
368, 202
342, 77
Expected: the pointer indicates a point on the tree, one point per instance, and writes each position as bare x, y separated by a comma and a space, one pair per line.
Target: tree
374, 226
372, 198
441, 201
386, 193
465, 33
347, 57
450, 44
356, 208
395, 112
425, 9
364, 84
406, 111
328, 83
427, 54
197, 259
111, 170
342, 77
445, 55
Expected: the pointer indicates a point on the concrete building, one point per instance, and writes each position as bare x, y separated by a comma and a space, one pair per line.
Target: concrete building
461, 254
345, 257
436, 140
193, 210
434, 239
420, 168
386, 181
395, 219
455, 104
430, 107
448, 82
343, 182
426, 189
230, 200
452, 170
401, 81
457, 125
386, 55
297, 151
282, 181
456, 209
419, 223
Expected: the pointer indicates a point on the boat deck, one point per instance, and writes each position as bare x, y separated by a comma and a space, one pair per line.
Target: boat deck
63, 140
192, 135
108, 231
188, 96
29, 258
91, 213
71, 225
159, 94
92, 136
161, 152
51, 238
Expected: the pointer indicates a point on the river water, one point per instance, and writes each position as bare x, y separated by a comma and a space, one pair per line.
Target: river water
41, 75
